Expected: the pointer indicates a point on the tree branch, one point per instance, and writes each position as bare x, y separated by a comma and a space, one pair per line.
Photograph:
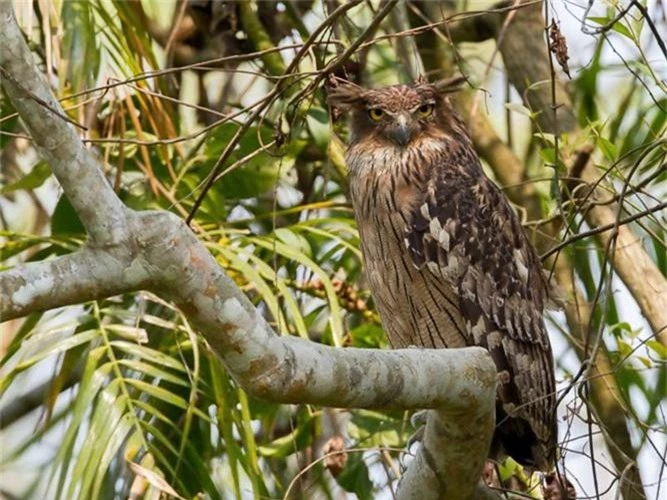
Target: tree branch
634, 266
76, 168
423, 476
156, 251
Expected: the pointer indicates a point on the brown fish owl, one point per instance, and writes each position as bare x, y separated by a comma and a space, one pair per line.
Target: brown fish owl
445, 255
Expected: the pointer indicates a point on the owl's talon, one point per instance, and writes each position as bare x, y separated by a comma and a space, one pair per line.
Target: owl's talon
418, 421
402, 465
418, 418
416, 437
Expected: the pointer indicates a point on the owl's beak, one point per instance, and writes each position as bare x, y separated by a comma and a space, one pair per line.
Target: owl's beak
402, 132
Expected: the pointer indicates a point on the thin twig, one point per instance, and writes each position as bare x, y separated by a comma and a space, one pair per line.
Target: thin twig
601, 229
8, 76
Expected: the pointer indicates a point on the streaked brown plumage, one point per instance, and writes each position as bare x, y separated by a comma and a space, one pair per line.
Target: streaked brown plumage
446, 258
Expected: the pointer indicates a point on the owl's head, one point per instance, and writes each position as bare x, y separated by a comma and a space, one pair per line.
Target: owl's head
397, 114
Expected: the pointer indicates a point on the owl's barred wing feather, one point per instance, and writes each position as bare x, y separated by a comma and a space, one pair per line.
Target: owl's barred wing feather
465, 233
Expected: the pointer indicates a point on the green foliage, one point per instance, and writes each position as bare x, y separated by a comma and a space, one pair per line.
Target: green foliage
32, 180
65, 220
354, 477
81, 51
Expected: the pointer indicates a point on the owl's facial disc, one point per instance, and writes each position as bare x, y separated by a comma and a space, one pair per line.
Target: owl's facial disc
398, 126
398, 115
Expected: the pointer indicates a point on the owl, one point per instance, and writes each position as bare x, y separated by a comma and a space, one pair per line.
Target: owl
445, 256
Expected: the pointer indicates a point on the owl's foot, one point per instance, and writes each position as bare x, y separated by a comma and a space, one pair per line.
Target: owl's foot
418, 421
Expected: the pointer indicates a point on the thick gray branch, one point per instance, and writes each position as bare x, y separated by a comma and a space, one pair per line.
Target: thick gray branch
75, 167
426, 475
83, 276
156, 251
171, 262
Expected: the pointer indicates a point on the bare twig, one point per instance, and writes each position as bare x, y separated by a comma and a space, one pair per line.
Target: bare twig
278, 87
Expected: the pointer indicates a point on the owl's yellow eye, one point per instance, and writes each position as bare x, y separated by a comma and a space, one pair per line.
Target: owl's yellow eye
425, 110
376, 114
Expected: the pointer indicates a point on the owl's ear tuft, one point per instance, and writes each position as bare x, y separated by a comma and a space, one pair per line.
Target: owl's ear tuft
344, 94
450, 85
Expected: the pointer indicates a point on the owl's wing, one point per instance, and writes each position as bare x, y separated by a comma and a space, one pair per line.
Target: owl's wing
465, 232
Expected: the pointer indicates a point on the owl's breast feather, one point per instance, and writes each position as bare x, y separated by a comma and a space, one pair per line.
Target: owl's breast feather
391, 179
